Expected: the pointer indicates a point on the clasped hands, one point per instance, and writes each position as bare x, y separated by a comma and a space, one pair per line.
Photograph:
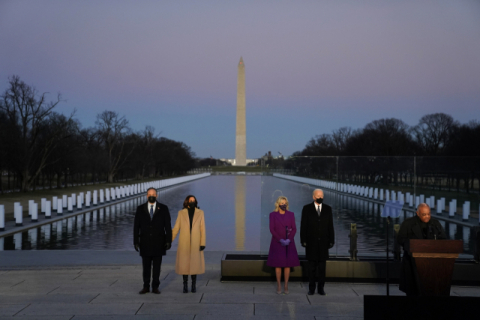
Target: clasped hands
285, 242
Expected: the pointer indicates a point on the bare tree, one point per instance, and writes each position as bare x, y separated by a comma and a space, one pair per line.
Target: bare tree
384, 137
340, 138
320, 145
147, 139
433, 131
113, 132
30, 114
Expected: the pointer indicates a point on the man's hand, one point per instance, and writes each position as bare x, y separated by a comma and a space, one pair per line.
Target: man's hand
168, 245
330, 246
202, 248
136, 247
304, 244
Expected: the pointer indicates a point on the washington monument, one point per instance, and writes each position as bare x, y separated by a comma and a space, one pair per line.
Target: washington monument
241, 134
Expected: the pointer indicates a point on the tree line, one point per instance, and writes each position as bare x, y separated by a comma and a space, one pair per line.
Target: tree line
446, 154
42, 148
435, 134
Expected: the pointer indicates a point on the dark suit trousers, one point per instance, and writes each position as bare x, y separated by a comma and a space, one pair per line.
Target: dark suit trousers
313, 266
147, 271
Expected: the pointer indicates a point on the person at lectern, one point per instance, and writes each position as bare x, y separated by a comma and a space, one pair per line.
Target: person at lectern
191, 242
421, 226
283, 252
152, 236
317, 236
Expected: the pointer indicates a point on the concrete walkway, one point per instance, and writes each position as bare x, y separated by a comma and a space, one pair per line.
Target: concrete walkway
105, 285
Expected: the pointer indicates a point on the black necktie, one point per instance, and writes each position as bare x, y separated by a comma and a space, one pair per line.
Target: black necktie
151, 212
318, 210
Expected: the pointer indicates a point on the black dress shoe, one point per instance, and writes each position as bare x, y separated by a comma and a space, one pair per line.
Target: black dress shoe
311, 293
156, 291
144, 290
194, 283
321, 292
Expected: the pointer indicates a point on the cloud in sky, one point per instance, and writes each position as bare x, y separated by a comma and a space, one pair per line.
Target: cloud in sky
311, 66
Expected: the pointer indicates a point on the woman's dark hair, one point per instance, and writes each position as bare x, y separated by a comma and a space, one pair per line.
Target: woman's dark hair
185, 203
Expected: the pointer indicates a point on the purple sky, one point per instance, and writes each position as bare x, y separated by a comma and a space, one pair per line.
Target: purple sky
311, 66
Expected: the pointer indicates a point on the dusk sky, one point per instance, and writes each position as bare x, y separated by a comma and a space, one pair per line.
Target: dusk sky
310, 66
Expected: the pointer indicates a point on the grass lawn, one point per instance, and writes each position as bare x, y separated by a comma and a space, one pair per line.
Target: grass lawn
238, 169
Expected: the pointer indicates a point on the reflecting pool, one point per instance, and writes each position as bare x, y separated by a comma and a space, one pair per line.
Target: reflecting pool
236, 209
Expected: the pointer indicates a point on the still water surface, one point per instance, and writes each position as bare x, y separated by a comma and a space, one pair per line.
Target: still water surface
236, 217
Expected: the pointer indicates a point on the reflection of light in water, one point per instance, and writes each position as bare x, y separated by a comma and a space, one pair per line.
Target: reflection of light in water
69, 225
1, 244
452, 230
17, 239
305, 188
466, 236
32, 235
59, 230
79, 223
46, 232
240, 212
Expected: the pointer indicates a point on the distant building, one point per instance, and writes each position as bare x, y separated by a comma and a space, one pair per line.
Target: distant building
233, 161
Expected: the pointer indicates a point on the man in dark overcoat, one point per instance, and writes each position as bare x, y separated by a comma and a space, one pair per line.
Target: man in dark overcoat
152, 236
421, 226
317, 236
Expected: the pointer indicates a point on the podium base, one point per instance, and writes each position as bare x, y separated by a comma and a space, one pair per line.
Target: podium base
402, 307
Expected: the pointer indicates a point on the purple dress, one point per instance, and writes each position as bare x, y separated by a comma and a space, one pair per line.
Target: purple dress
278, 255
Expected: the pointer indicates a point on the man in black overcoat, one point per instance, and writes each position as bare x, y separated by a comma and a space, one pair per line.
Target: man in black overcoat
421, 226
317, 236
152, 236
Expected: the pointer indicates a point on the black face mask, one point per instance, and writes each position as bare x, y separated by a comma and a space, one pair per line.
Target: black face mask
319, 200
192, 204
152, 199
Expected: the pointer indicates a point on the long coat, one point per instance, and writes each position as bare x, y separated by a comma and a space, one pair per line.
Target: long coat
317, 233
278, 255
152, 234
411, 229
190, 260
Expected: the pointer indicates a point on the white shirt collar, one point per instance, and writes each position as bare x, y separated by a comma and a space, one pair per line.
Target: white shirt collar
318, 206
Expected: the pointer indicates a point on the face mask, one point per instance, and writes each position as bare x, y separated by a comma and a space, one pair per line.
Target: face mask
191, 204
283, 207
152, 199
319, 200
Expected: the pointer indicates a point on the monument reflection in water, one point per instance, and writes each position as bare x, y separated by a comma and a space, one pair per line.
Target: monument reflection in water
237, 211
240, 213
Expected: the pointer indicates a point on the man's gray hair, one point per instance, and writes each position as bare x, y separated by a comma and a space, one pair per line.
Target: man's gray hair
421, 205
316, 190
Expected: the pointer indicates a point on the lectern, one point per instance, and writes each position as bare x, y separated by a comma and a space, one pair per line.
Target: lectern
435, 260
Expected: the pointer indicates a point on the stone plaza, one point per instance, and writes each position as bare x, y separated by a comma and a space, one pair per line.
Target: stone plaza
87, 284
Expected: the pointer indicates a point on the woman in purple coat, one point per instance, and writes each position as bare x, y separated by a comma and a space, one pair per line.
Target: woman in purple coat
282, 253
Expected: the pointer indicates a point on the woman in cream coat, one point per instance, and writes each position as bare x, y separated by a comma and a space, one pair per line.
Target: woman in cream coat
191, 224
